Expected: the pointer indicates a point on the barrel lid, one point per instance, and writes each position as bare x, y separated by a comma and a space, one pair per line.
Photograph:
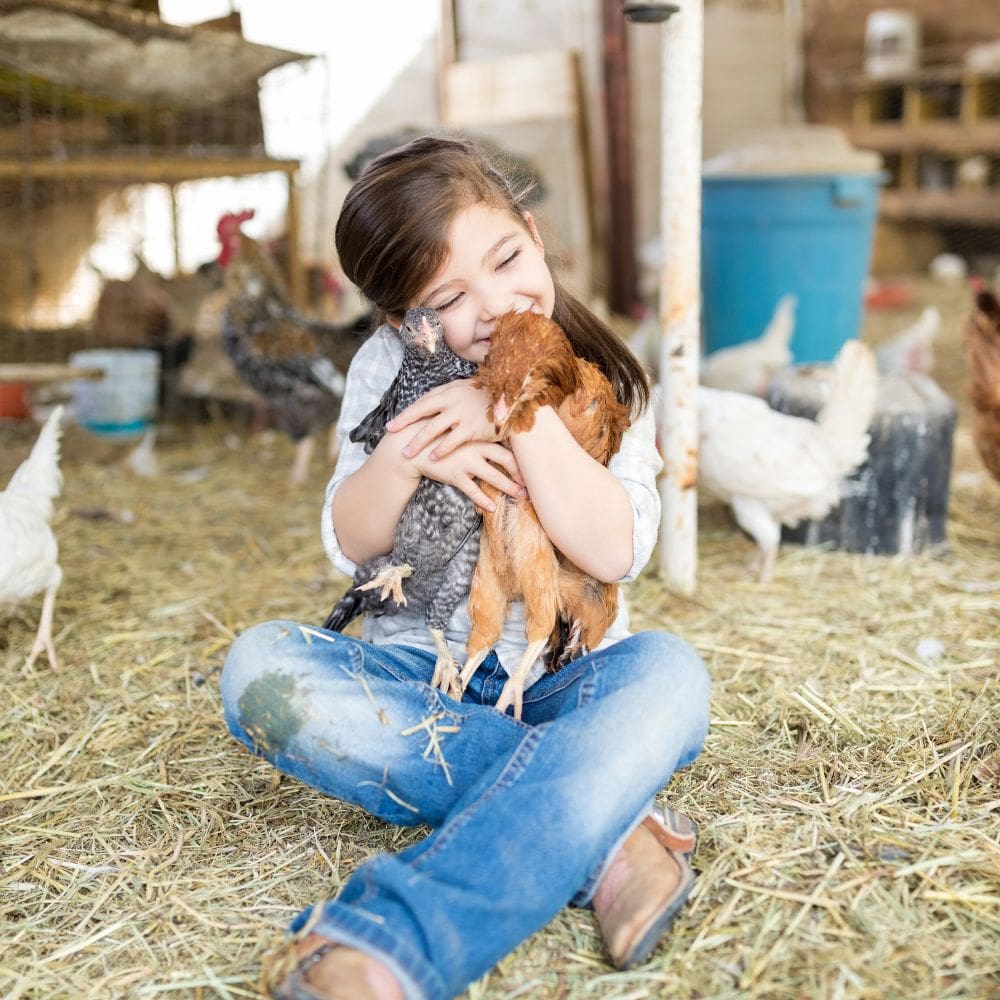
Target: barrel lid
792, 150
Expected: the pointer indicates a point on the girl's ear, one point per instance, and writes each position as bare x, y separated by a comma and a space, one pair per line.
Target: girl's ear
529, 221
394, 319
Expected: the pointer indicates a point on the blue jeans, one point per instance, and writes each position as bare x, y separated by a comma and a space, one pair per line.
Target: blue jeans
525, 815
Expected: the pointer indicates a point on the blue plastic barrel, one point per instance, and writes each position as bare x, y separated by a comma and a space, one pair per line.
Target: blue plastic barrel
766, 236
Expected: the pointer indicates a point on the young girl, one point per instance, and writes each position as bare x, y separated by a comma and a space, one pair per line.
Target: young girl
525, 816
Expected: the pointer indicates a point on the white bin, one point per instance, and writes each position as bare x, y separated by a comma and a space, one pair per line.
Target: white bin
122, 403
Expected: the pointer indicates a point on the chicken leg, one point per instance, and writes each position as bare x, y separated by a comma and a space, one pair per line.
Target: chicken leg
754, 518
43, 637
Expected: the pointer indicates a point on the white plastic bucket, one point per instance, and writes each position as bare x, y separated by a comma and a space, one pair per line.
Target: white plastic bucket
122, 403
892, 43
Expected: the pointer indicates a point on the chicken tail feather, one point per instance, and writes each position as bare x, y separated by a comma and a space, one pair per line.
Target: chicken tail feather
850, 407
39, 476
344, 611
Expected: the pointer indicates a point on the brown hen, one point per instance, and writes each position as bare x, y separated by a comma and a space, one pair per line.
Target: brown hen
532, 364
982, 348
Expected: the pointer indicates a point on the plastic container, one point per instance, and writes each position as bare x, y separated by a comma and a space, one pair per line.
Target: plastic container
121, 404
791, 210
892, 43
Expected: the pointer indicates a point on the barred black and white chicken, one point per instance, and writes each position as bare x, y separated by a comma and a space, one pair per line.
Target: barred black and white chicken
281, 354
436, 544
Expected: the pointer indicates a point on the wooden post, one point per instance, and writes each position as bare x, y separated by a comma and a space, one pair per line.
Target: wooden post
296, 276
618, 121
175, 227
680, 308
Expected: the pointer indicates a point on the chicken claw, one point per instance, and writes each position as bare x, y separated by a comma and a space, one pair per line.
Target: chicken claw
446, 676
391, 581
512, 694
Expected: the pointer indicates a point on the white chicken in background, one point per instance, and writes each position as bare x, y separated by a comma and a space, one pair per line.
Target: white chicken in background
776, 469
749, 367
28, 550
912, 349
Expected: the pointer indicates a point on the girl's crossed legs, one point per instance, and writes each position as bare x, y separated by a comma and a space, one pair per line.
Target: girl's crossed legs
525, 815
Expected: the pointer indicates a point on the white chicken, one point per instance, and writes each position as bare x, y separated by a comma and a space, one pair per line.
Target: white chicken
28, 550
748, 367
776, 469
912, 349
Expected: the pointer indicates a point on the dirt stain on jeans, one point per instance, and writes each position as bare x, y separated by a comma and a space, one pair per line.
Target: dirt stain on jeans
268, 712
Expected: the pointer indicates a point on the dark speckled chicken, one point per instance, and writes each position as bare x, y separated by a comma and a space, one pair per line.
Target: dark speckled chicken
436, 544
281, 354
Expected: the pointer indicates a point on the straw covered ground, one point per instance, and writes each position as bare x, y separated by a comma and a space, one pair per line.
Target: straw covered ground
848, 796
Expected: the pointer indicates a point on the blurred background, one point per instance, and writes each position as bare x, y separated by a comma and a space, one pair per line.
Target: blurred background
128, 128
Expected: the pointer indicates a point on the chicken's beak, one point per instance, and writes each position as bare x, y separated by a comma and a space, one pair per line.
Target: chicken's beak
429, 335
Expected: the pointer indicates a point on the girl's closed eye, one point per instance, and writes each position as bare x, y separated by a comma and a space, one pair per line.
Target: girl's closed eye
507, 261
447, 305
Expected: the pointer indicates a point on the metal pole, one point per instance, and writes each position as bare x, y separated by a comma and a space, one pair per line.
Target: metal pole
680, 307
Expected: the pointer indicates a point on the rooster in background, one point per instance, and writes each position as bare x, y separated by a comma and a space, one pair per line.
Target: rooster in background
532, 364
28, 551
982, 349
295, 363
749, 367
912, 349
776, 469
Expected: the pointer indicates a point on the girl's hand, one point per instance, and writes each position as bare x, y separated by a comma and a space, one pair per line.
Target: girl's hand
470, 465
452, 415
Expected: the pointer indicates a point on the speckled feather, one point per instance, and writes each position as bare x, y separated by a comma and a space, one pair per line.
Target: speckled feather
438, 532
420, 371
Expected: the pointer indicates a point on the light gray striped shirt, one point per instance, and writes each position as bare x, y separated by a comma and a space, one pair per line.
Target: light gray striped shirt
636, 465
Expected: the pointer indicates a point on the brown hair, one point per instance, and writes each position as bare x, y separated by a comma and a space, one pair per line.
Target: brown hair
392, 234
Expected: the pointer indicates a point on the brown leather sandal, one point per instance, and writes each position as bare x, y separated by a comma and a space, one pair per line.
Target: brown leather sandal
641, 894
287, 976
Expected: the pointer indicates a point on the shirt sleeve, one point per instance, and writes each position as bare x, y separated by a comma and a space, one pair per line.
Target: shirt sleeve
370, 374
636, 465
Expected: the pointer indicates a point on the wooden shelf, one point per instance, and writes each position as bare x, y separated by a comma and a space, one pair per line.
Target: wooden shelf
938, 131
947, 138
967, 208
153, 169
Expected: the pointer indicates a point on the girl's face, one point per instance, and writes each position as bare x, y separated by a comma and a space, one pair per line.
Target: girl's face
496, 264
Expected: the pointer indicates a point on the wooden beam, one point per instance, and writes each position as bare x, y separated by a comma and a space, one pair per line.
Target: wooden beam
40, 372
144, 170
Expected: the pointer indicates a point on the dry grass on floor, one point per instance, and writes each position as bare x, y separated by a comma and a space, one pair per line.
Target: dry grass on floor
849, 794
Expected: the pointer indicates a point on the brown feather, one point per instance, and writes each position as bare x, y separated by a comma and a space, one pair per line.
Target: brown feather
982, 348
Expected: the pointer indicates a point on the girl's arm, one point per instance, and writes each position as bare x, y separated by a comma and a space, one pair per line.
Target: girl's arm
583, 507
368, 503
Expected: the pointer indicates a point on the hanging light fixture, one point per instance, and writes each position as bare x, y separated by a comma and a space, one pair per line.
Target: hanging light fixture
648, 11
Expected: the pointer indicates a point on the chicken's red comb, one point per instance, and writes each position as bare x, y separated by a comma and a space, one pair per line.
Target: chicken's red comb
231, 222
228, 229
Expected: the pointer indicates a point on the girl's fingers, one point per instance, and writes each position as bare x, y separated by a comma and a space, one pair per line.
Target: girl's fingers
431, 430
472, 489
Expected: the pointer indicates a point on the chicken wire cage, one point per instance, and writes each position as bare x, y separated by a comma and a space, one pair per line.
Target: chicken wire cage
122, 140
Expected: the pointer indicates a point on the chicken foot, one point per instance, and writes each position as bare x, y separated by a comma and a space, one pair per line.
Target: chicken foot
512, 693
391, 581
757, 521
446, 677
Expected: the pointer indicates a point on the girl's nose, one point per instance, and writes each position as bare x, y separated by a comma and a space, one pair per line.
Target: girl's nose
496, 304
